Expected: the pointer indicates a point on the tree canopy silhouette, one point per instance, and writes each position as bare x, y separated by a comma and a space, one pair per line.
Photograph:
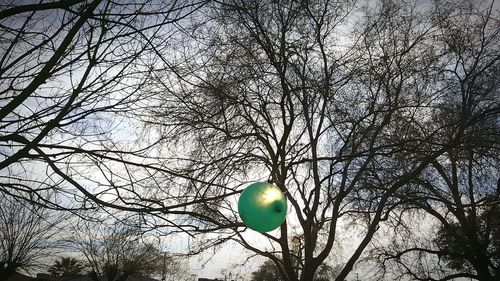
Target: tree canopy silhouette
361, 113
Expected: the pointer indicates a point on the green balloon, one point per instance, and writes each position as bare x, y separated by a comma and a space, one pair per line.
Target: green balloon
262, 206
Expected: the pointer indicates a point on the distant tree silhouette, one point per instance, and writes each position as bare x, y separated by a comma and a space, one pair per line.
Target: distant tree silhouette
117, 251
269, 272
26, 236
66, 267
266, 272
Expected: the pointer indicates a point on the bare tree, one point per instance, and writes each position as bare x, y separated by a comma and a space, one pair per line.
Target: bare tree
459, 191
27, 236
341, 124
346, 110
